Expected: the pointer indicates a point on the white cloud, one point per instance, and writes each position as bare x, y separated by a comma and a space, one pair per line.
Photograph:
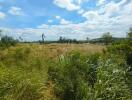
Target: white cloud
111, 9
44, 26
79, 2
67, 4
127, 8
64, 22
80, 11
111, 17
101, 2
57, 17
91, 15
122, 2
2, 15
50, 21
16, 11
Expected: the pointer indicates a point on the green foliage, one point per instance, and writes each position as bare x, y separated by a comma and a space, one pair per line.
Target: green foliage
27, 74
122, 48
69, 76
7, 41
23, 76
107, 38
15, 84
79, 77
22, 53
110, 83
130, 33
65, 40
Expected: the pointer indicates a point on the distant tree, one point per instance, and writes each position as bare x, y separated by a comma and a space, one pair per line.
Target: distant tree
20, 38
65, 40
87, 39
129, 34
43, 38
7, 41
60, 39
107, 38
0, 33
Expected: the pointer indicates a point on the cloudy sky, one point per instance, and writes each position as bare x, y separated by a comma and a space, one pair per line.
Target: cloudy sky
68, 18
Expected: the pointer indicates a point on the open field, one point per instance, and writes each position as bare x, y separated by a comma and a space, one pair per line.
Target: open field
61, 72
65, 49
27, 64
55, 50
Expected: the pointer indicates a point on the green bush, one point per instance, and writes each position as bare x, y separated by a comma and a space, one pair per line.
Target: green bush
81, 77
111, 81
7, 41
123, 48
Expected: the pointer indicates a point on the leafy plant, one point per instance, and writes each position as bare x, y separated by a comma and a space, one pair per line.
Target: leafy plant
80, 77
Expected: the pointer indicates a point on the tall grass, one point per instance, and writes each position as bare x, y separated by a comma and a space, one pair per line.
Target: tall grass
80, 77
23, 75
51, 72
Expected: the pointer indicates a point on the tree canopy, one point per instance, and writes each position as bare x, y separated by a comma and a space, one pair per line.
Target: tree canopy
107, 37
129, 34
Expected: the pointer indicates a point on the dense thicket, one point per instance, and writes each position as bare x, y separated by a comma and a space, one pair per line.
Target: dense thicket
93, 77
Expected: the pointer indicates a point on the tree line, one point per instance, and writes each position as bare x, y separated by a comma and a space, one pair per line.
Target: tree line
106, 39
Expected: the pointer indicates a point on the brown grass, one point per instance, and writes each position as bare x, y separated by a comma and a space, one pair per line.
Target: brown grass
36, 61
58, 49
52, 51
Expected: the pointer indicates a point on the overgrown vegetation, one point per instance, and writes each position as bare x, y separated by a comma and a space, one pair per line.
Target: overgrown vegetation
93, 77
6, 41
55, 72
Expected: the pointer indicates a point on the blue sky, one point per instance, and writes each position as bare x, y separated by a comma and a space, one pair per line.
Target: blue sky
68, 18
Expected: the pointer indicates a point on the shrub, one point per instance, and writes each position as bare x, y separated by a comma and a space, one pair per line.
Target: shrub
122, 48
7, 41
80, 77
72, 73
111, 81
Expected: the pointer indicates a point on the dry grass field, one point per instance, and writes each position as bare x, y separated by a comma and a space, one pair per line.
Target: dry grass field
28, 64
55, 50
61, 72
